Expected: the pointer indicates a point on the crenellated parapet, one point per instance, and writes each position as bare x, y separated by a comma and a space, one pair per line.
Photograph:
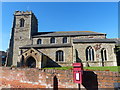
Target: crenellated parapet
22, 12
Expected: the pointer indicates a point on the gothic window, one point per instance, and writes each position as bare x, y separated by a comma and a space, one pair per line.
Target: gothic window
52, 40
59, 56
22, 21
39, 41
64, 39
89, 54
103, 54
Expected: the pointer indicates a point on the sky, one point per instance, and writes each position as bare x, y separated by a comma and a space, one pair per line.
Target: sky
64, 16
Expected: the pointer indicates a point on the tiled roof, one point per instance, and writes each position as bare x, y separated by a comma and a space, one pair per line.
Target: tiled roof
46, 46
69, 33
93, 41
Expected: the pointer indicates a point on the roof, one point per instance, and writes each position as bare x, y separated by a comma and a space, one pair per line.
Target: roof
45, 46
68, 33
93, 41
117, 40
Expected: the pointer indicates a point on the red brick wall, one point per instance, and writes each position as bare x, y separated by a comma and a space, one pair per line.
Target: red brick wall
34, 78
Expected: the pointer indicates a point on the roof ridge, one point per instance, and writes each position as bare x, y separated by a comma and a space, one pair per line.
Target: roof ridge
73, 31
70, 33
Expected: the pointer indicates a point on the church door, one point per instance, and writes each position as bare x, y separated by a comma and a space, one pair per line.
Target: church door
31, 62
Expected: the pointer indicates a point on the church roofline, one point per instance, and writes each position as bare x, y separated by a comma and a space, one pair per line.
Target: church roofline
67, 33
93, 41
45, 46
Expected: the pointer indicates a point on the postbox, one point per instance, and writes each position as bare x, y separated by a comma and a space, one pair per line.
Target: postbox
77, 72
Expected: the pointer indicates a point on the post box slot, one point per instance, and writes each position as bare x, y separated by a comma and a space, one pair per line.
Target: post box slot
77, 76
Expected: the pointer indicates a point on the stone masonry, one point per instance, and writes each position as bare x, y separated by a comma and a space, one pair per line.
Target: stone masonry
29, 47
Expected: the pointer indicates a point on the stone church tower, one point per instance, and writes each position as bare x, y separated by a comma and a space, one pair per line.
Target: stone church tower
34, 49
25, 25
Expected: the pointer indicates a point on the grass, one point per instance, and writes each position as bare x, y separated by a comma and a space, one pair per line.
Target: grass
106, 68
60, 68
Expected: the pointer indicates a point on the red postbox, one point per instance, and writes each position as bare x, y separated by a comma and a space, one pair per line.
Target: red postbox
77, 72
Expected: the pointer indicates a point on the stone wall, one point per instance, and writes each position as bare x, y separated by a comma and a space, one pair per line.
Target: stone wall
34, 78
46, 40
59, 40
51, 54
97, 47
46, 57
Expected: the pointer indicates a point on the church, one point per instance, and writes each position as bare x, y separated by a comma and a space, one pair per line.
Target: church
34, 49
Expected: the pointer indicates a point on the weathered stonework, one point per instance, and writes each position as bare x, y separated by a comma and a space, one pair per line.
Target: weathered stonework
81, 48
23, 45
51, 53
21, 35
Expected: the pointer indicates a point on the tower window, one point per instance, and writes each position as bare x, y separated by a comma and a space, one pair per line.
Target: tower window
89, 54
103, 54
52, 40
64, 39
22, 21
59, 56
39, 41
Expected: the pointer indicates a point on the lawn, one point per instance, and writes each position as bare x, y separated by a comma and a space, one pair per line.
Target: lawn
108, 68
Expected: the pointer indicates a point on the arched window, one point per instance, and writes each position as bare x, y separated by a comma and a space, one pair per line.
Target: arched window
64, 39
52, 40
103, 54
22, 21
59, 56
89, 54
39, 41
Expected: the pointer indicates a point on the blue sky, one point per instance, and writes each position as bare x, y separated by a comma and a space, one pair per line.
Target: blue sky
64, 16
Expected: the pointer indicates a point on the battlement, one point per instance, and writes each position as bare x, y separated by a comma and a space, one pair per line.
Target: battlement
22, 12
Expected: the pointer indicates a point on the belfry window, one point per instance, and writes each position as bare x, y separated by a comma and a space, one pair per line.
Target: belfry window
52, 40
39, 41
103, 54
89, 54
22, 21
64, 39
59, 56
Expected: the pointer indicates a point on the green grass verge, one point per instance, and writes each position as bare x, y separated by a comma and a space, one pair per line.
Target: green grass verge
60, 68
108, 68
